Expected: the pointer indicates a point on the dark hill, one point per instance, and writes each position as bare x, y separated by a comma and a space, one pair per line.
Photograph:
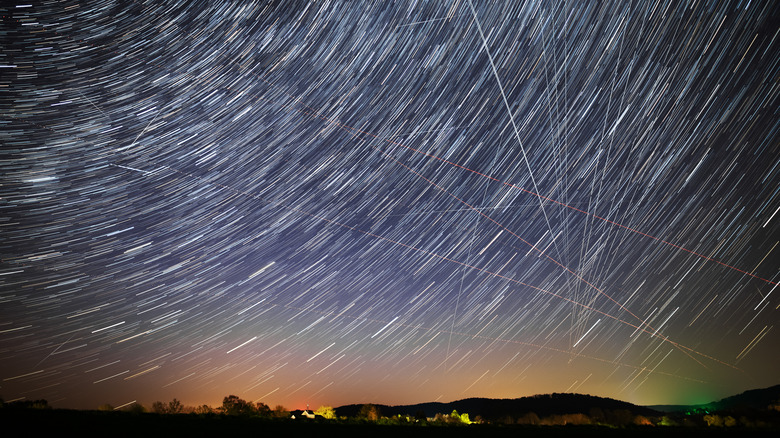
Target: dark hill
496, 409
752, 400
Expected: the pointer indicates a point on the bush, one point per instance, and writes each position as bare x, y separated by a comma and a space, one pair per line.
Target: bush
326, 412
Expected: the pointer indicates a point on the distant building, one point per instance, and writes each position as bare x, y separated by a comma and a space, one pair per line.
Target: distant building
303, 414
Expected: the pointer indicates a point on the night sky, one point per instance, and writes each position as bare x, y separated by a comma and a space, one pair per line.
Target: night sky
388, 202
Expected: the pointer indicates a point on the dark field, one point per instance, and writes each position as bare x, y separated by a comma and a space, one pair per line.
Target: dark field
58, 422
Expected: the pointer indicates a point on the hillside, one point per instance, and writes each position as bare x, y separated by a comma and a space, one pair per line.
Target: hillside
498, 409
752, 400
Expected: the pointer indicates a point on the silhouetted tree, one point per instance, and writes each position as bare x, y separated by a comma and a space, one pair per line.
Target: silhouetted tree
232, 405
175, 407
159, 407
369, 412
281, 412
457, 418
203, 409
263, 410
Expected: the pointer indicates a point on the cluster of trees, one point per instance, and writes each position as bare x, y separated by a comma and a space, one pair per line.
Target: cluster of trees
231, 405
25, 404
236, 406
172, 407
373, 413
718, 421
597, 417
756, 420
455, 418
624, 418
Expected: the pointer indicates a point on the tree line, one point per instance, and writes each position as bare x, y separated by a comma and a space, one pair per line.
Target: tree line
233, 405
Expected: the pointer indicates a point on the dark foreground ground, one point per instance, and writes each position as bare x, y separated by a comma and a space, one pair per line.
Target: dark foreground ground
58, 422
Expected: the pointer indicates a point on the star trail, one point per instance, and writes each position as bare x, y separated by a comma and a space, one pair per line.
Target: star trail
388, 202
